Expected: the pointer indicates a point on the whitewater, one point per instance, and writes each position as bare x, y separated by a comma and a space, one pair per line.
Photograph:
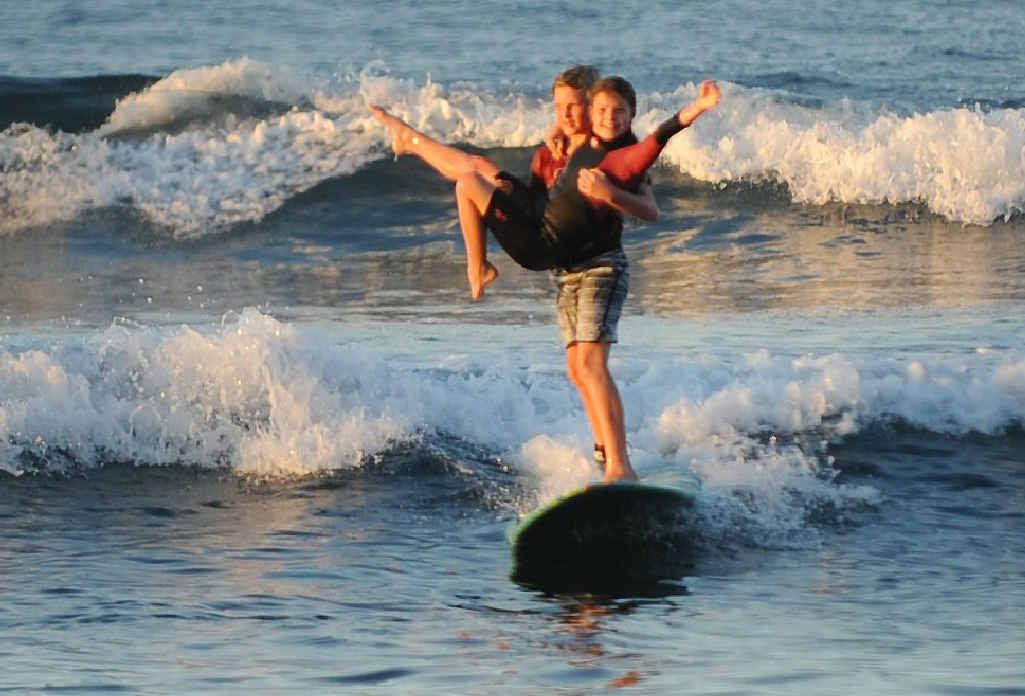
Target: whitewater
255, 436
203, 149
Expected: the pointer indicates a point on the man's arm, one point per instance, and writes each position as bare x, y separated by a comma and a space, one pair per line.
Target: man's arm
537, 184
594, 184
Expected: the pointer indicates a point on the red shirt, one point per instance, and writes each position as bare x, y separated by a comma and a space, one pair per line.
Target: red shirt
545, 169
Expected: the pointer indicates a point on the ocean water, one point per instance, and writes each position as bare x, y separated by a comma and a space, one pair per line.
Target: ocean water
255, 437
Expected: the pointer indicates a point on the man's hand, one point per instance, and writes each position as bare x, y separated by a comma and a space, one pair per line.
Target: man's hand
557, 142
502, 184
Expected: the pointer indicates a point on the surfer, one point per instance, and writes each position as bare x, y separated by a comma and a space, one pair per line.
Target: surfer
587, 313
575, 230
592, 288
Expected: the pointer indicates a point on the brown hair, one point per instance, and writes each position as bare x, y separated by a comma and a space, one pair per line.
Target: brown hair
580, 77
618, 86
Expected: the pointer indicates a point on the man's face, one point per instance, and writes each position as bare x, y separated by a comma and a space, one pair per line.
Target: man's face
570, 110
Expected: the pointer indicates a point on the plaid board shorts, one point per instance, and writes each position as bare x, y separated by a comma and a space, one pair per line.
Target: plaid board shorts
590, 299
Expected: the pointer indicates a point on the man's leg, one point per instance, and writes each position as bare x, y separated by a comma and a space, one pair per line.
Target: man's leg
603, 405
588, 306
576, 377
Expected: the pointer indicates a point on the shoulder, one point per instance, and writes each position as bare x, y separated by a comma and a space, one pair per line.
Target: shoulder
543, 156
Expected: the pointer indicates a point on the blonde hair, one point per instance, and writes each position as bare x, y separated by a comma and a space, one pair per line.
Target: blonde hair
580, 77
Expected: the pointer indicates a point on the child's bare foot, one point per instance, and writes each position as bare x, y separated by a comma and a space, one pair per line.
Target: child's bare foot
402, 136
480, 278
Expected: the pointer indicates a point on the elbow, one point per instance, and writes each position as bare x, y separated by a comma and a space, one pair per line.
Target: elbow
650, 215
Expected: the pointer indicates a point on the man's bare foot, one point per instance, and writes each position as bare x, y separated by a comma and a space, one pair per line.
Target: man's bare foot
619, 473
402, 136
480, 279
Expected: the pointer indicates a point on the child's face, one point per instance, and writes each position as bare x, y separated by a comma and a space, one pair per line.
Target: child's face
610, 115
570, 109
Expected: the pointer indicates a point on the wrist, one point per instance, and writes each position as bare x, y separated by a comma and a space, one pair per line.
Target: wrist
687, 116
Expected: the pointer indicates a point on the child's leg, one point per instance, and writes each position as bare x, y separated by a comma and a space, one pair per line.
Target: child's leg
473, 194
450, 162
475, 178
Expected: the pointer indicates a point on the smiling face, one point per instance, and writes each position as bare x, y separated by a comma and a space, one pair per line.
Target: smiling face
610, 115
570, 109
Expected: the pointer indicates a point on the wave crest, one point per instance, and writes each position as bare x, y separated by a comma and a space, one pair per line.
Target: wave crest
205, 149
965, 164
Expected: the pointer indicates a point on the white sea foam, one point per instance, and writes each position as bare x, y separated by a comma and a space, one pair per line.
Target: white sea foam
261, 397
196, 92
228, 167
966, 165
234, 168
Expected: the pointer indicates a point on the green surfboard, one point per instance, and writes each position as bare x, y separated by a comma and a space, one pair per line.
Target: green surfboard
607, 536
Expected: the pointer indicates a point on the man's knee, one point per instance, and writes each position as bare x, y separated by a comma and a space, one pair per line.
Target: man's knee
590, 364
575, 373
572, 371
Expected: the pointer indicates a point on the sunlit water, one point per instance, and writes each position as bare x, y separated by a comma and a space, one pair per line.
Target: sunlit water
254, 437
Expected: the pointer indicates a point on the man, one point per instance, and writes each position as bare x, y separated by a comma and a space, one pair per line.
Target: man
591, 293
591, 277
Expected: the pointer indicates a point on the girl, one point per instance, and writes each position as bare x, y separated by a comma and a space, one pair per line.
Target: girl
538, 233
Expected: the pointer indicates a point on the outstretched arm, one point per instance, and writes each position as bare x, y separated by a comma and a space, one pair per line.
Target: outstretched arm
629, 162
594, 184
626, 164
708, 98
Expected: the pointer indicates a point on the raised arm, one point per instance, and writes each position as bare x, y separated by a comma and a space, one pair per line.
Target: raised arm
708, 98
626, 165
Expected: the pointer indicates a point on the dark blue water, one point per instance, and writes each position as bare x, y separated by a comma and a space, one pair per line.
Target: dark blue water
254, 436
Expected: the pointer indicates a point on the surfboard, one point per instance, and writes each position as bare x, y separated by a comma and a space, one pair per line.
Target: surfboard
604, 536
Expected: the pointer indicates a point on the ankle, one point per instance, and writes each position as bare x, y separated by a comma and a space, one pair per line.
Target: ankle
599, 457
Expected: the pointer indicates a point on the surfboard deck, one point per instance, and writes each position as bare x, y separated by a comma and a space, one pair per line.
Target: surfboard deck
605, 535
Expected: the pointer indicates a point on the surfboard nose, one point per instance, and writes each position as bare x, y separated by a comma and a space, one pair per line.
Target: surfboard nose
605, 537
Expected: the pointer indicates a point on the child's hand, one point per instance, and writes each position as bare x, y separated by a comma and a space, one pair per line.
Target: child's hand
708, 95
594, 184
